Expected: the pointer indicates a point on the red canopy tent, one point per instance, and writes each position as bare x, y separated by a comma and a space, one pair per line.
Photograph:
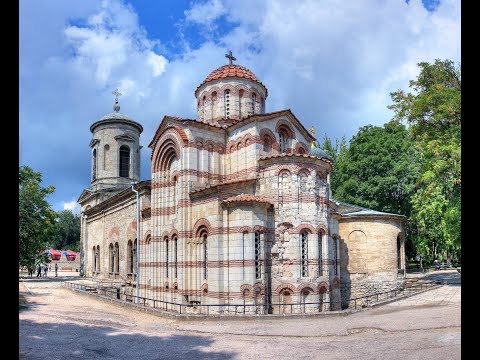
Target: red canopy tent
70, 254
55, 254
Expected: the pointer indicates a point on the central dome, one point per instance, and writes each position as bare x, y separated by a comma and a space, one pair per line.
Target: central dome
230, 71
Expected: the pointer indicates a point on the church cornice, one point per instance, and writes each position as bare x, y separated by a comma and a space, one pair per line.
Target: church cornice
273, 115
124, 137
94, 142
296, 157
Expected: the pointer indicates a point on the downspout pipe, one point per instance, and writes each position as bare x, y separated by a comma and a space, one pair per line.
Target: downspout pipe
83, 268
138, 242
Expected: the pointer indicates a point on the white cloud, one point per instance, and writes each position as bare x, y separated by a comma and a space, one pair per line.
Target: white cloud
72, 206
205, 13
332, 62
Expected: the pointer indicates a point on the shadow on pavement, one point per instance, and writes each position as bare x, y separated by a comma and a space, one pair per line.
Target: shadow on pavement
74, 341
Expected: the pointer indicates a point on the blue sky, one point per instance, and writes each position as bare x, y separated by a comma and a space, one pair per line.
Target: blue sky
332, 62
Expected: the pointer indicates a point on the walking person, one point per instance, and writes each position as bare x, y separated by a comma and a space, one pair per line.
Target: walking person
56, 269
45, 270
39, 271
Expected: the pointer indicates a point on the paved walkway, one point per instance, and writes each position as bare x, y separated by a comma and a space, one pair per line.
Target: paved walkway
60, 323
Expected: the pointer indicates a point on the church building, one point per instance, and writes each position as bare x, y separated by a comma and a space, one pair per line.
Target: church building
237, 216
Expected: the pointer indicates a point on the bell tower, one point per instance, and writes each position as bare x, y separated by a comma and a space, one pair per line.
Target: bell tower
115, 150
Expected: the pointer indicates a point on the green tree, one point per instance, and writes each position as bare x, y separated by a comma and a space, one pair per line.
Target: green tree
36, 218
67, 230
378, 170
433, 112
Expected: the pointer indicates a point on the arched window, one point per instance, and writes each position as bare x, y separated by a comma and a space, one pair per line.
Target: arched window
124, 161
226, 99
258, 270
240, 100
111, 257
254, 101
98, 258
301, 150
320, 253
94, 164
245, 245
175, 256
304, 252
204, 241
94, 259
117, 258
174, 197
106, 149
213, 103
166, 257
284, 141
204, 108
267, 144
130, 256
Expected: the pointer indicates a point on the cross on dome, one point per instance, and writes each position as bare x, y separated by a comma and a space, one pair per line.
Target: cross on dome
230, 57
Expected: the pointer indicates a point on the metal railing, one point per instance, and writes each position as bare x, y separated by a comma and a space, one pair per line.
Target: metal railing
113, 292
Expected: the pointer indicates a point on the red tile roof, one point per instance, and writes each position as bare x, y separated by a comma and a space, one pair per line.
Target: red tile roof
295, 155
248, 198
231, 71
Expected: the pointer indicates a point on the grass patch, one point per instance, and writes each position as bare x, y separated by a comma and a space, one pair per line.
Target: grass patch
22, 302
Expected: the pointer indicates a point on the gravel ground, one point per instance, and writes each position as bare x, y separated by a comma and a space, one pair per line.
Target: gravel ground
59, 323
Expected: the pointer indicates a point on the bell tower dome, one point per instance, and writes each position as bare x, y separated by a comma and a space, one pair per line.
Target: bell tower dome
229, 94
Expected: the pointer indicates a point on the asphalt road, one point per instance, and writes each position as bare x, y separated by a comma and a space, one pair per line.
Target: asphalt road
59, 323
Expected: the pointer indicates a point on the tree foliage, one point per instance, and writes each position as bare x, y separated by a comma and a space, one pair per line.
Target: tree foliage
433, 111
67, 231
36, 218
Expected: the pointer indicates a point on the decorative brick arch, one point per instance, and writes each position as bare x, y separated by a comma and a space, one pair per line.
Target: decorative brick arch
173, 232
219, 148
164, 153
147, 237
175, 286
239, 87
299, 146
307, 285
282, 169
260, 229
301, 227
304, 171
164, 235
201, 223
247, 229
259, 288
284, 124
322, 229
247, 291
280, 288
198, 143
323, 287
166, 285
208, 145
249, 139
204, 288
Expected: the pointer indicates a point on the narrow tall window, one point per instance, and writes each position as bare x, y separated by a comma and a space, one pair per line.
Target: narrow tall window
283, 141
267, 144
134, 254
240, 100
130, 257
205, 256
175, 257
304, 253
320, 256
94, 164
214, 103
244, 245
98, 258
254, 101
258, 270
174, 195
336, 257
166, 257
112, 258
117, 258
94, 259
106, 148
204, 108
124, 161
226, 99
